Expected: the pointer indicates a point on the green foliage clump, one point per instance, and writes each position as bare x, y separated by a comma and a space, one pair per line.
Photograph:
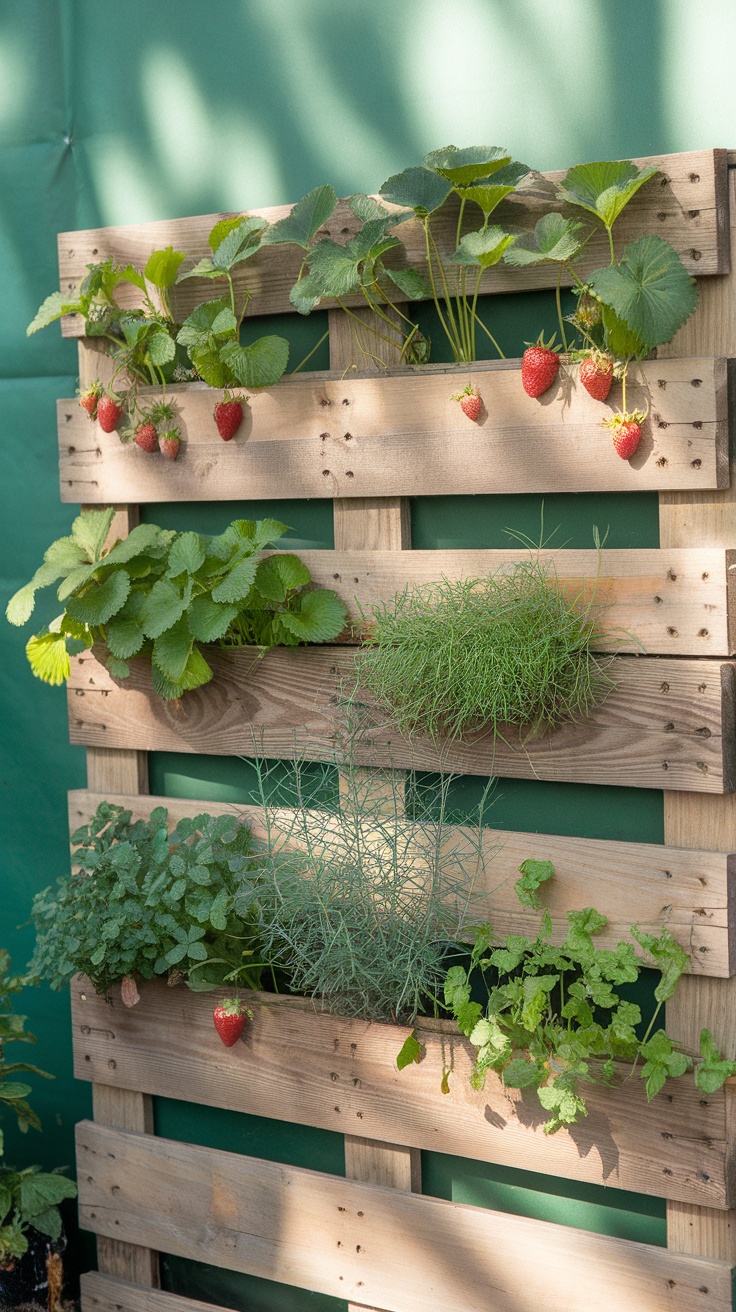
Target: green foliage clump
146, 902
365, 903
161, 594
29, 1198
510, 650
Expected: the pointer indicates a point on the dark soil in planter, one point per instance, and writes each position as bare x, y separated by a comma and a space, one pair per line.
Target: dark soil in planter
35, 1280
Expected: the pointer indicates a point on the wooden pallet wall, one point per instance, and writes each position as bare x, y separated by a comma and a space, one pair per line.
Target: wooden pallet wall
369, 442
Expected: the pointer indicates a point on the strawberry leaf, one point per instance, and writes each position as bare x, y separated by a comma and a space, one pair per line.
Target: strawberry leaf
554, 238
419, 189
209, 621
259, 365
301, 226
466, 165
163, 606
172, 649
533, 875
102, 601
162, 267
90, 530
650, 290
48, 657
483, 248
411, 282
321, 615
280, 574
604, 188
53, 308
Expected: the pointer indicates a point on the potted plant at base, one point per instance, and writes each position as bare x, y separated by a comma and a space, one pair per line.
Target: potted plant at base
31, 1234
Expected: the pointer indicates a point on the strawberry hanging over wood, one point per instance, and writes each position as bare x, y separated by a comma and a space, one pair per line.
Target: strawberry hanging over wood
146, 437
229, 1017
169, 443
89, 397
626, 428
596, 375
470, 401
109, 411
540, 365
228, 414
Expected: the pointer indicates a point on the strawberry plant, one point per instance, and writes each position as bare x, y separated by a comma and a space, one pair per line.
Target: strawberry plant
552, 1019
143, 901
162, 595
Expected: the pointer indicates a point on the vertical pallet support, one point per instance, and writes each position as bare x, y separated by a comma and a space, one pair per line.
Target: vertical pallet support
371, 524
690, 820
111, 771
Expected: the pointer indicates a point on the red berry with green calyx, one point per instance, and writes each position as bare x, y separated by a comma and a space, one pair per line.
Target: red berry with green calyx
228, 414
470, 401
229, 1017
169, 444
540, 365
596, 375
146, 437
109, 411
88, 399
626, 429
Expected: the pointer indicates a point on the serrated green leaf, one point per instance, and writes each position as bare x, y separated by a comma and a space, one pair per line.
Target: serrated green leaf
161, 348
520, 1073
21, 605
210, 367
209, 621
196, 330
186, 554
221, 230
278, 575
204, 268
619, 339
196, 673
11, 1090
225, 323
42, 1190
463, 165
90, 531
411, 1051
533, 875
259, 365
419, 189
139, 541
162, 267
367, 209
171, 650
117, 668
240, 243
102, 601
604, 187
301, 226
53, 308
554, 238
305, 295
484, 248
650, 290
320, 616
333, 269
219, 910
163, 607
411, 282
237, 584
488, 195
48, 657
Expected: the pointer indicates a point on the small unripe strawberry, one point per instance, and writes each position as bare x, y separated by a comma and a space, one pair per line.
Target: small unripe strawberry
470, 401
89, 397
108, 412
229, 1018
146, 437
596, 375
228, 414
169, 444
626, 429
540, 364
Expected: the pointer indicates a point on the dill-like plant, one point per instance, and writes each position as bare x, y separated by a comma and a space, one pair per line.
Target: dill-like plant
366, 902
511, 650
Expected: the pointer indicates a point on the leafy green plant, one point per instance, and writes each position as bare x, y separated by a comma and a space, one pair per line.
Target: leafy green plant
552, 1019
161, 594
28, 1197
364, 903
453, 657
143, 901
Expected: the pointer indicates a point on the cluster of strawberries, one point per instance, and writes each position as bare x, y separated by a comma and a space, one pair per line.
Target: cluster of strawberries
154, 430
540, 365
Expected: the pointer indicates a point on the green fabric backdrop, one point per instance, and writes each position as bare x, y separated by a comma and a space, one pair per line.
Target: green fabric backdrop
127, 112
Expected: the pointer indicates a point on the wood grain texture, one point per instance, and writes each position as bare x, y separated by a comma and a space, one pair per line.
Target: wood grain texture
402, 434
630, 883
396, 1251
105, 1294
126, 1109
669, 722
686, 205
300, 1065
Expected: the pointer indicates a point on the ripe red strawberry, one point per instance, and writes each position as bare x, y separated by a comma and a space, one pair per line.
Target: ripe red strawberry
470, 401
146, 437
108, 412
169, 443
539, 366
89, 398
230, 1016
626, 431
228, 414
596, 375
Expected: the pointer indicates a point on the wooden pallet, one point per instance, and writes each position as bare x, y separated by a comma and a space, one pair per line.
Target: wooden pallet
369, 443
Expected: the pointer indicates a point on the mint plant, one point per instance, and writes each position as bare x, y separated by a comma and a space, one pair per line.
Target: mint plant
145, 902
163, 595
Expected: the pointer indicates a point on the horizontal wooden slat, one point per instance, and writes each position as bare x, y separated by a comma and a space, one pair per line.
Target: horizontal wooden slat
379, 1247
667, 724
401, 434
687, 206
298, 1064
106, 1294
630, 883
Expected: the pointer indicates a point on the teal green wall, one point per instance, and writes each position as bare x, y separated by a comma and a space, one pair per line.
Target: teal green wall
145, 109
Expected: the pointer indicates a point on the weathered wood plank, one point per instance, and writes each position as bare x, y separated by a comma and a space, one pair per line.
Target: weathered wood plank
397, 1251
301, 1065
686, 205
668, 723
401, 434
630, 883
106, 1294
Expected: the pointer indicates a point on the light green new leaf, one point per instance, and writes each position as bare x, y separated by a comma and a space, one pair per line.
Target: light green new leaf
320, 617
533, 875
204, 268
222, 229
461, 166
650, 290
172, 649
412, 283
411, 1051
209, 621
186, 554
53, 308
20, 607
139, 541
163, 606
604, 188
301, 226
259, 365
162, 267
90, 530
554, 238
48, 657
420, 189
239, 244
483, 248
102, 601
